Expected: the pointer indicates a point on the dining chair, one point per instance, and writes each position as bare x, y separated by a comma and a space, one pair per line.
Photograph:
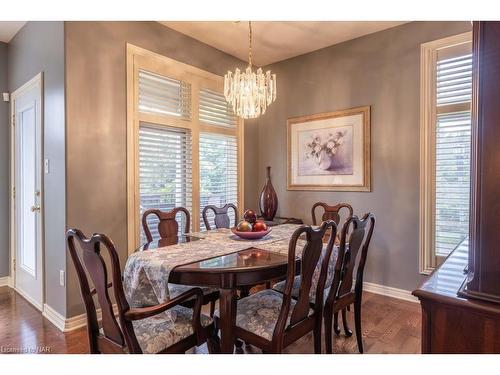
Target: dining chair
271, 320
221, 216
164, 328
330, 212
333, 213
168, 229
353, 249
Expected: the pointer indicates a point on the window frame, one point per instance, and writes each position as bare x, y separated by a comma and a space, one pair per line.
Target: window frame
428, 260
142, 59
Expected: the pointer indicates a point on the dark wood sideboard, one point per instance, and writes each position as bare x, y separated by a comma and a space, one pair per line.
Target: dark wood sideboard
452, 323
461, 299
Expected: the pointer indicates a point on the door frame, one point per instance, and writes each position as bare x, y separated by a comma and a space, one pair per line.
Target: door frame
36, 80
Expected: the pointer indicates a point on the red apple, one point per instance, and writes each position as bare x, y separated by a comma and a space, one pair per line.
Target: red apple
244, 226
250, 216
259, 226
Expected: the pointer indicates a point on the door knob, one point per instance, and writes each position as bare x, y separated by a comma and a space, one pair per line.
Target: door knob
35, 208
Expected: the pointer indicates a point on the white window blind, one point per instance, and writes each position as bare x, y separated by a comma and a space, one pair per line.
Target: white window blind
165, 178
453, 142
163, 95
454, 80
215, 110
218, 172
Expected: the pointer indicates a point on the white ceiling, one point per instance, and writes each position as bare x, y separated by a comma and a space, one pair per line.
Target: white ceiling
276, 41
8, 29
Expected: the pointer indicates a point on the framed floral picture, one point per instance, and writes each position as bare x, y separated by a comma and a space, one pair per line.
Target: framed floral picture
330, 151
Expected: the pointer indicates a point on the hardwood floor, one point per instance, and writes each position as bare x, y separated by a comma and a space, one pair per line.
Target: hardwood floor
389, 326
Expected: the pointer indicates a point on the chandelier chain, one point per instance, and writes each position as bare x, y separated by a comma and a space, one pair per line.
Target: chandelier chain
250, 43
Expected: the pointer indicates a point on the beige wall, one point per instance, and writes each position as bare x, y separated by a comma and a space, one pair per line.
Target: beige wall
381, 70
96, 120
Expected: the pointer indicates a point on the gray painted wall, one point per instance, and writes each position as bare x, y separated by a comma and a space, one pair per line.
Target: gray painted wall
39, 47
381, 70
96, 121
4, 166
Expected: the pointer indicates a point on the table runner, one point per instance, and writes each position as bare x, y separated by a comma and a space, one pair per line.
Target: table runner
146, 273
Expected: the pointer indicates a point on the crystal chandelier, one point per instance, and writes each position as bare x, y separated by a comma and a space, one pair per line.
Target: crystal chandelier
250, 93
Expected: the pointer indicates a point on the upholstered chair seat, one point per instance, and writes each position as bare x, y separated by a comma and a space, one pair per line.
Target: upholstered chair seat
259, 312
158, 332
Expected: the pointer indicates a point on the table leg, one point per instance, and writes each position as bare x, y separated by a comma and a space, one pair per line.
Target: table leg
227, 313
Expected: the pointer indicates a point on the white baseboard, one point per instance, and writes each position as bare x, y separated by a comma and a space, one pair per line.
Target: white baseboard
75, 322
5, 281
54, 317
389, 291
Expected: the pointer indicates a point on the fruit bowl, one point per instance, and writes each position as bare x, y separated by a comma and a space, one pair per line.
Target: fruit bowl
251, 235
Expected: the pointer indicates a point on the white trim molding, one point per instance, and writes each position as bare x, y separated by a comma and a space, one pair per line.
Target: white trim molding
141, 59
389, 291
36, 82
4, 281
70, 324
54, 317
430, 52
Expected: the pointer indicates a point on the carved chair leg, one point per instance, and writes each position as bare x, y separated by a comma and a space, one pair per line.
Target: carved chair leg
212, 309
317, 335
347, 330
327, 318
336, 327
357, 323
213, 343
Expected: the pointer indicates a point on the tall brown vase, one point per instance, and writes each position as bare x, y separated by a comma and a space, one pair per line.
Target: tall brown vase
268, 202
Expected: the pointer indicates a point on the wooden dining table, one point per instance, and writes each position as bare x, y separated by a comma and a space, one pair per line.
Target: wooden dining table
257, 262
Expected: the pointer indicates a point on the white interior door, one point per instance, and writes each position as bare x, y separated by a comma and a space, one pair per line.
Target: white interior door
27, 142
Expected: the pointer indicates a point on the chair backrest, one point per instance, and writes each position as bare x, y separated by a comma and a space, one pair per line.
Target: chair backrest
168, 227
331, 212
221, 219
353, 249
91, 266
312, 254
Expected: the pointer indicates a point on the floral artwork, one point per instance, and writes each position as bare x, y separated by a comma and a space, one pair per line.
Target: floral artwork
326, 151
330, 151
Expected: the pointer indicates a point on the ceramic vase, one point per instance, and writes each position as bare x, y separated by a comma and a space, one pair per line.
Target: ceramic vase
268, 202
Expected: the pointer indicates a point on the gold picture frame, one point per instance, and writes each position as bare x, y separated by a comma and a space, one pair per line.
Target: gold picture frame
330, 151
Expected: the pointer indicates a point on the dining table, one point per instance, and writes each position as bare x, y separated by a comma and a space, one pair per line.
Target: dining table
216, 259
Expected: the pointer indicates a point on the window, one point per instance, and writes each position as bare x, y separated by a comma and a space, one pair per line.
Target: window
446, 91
183, 142
218, 172
165, 179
